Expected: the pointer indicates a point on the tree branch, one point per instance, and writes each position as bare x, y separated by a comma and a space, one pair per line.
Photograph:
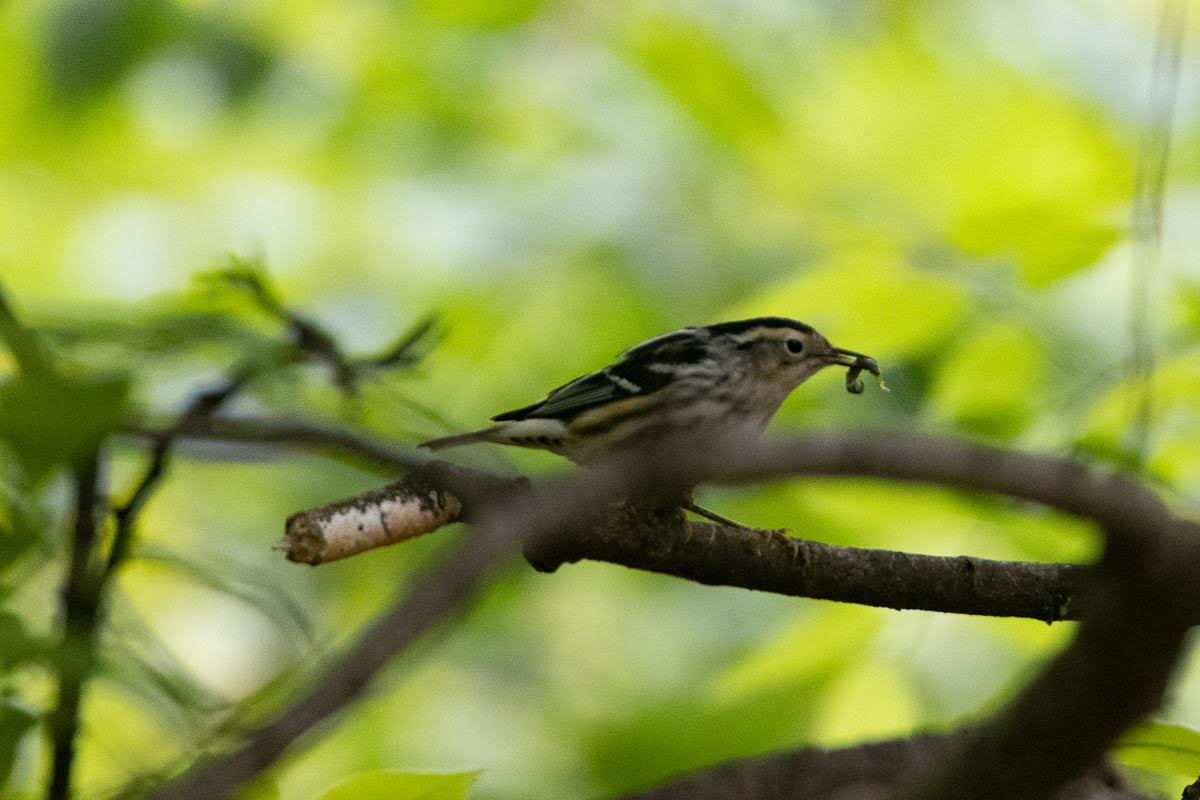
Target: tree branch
863, 772
704, 553
444, 590
297, 434
1112, 673
723, 555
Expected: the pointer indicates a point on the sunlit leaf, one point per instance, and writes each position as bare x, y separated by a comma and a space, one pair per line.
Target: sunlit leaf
990, 381
1162, 747
870, 701
1047, 243
403, 786
869, 300
486, 14
1173, 388
1002, 167
815, 647
690, 64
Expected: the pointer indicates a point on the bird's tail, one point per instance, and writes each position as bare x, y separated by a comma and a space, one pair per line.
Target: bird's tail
484, 435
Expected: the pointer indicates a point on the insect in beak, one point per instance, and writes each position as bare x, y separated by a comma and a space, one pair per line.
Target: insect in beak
856, 363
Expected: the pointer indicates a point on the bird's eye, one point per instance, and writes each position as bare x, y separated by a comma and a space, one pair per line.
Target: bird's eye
794, 346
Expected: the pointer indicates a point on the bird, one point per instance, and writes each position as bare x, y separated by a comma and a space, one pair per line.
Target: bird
728, 378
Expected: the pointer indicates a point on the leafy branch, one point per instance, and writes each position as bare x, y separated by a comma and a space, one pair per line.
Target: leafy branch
95, 559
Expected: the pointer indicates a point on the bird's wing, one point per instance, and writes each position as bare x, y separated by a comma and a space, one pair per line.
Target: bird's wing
568, 400
642, 370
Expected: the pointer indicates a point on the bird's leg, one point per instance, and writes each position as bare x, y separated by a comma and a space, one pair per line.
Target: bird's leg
689, 505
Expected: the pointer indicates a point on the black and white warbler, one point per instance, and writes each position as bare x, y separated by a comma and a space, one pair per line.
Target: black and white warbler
729, 378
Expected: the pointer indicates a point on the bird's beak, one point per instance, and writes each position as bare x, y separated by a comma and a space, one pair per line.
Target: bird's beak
848, 358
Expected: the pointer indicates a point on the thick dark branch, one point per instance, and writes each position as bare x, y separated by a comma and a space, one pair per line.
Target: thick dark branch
865, 772
772, 562
1112, 674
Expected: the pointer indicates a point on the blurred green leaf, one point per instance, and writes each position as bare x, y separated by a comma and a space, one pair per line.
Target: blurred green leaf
869, 701
17, 533
1046, 242
692, 66
1188, 298
90, 44
17, 646
403, 786
990, 381
674, 735
998, 165
814, 648
26, 348
1173, 388
867, 299
50, 419
14, 722
1161, 747
484, 14
264, 787
240, 63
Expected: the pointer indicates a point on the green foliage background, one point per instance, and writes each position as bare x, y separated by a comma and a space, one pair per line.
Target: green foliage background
946, 187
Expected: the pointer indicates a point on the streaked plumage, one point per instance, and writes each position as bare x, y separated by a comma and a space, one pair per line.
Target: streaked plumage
727, 377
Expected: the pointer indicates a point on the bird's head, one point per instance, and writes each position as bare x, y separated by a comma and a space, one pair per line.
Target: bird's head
783, 353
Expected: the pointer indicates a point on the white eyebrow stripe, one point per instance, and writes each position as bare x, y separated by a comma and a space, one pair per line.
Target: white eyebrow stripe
755, 333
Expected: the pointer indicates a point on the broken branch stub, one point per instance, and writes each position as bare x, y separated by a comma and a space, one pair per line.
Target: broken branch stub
402, 510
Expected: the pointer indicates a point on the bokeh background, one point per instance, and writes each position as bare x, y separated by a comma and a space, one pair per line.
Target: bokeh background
947, 186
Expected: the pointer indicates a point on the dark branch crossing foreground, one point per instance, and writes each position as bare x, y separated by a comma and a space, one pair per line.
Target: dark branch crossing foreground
1135, 605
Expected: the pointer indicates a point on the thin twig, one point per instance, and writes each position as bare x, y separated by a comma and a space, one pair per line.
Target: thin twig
1149, 186
81, 601
313, 341
362, 448
201, 407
